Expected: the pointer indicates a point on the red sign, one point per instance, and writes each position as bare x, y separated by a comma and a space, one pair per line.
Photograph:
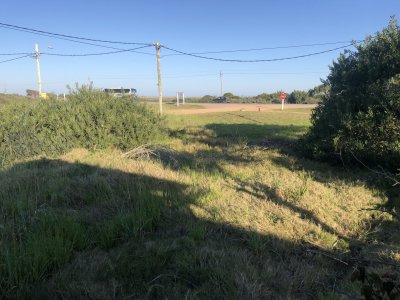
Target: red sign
283, 96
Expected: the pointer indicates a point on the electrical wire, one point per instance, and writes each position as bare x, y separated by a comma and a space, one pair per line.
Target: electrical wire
11, 54
4, 61
265, 48
74, 41
92, 54
74, 37
255, 60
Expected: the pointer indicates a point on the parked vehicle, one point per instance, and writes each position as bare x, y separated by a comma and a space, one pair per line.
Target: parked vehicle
222, 99
120, 92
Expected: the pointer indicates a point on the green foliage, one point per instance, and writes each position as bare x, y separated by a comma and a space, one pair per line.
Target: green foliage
89, 119
207, 98
319, 91
297, 97
269, 98
360, 114
13, 98
229, 95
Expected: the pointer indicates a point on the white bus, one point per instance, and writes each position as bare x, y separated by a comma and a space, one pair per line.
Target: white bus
120, 92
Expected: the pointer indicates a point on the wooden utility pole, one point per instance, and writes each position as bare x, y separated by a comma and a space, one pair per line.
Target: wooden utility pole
38, 69
158, 47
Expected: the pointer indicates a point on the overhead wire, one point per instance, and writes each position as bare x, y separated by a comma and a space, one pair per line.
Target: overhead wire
254, 60
92, 54
17, 53
88, 41
264, 48
74, 37
71, 40
16, 58
79, 39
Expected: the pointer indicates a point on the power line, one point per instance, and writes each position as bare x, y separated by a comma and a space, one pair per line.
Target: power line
238, 73
4, 61
11, 54
255, 60
264, 48
92, 54
74, 37
70, 40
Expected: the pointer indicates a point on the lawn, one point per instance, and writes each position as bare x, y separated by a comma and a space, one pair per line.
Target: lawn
225, 209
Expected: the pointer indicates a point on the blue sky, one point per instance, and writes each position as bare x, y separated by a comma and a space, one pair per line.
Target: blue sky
191, 26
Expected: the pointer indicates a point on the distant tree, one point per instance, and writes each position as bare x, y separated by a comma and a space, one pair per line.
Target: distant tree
229, 95
319, 91
207, 98
297, 97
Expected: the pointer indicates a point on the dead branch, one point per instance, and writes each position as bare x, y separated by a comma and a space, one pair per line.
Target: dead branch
141, 152
352, 260
392, 213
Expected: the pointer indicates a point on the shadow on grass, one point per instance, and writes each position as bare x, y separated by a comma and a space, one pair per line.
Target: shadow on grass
233, 132
71, 230
223, 140
266, 193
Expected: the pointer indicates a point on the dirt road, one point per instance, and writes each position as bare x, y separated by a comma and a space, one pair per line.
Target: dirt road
224, 107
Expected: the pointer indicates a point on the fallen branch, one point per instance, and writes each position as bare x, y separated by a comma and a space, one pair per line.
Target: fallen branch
392, 213
141, 152
327, 255
352, 260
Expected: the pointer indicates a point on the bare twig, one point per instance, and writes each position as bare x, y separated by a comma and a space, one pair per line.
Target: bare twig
142, 152
383, 173
351, 260
327, 255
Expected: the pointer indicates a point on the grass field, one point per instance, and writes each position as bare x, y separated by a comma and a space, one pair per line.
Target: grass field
225, 210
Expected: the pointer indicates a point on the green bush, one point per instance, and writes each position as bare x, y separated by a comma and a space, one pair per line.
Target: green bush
359, 117
89, 119
13, 98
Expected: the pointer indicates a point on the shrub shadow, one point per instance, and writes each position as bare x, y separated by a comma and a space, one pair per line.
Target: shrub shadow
80, 231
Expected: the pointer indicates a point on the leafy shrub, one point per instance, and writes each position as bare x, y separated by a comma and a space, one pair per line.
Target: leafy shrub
89, 119
359, 117
12, 98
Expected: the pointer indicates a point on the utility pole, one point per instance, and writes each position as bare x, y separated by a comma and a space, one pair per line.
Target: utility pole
38, 69
158, 48
220, 80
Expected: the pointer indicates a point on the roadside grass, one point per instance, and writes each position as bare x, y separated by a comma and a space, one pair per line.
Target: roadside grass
225, 211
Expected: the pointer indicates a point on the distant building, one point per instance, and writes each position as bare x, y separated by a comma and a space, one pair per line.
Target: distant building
120, 92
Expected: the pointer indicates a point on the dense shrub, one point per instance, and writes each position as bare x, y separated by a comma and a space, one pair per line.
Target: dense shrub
359, 118
12, 98
89, 119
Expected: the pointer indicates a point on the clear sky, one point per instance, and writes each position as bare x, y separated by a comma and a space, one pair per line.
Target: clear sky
191, 26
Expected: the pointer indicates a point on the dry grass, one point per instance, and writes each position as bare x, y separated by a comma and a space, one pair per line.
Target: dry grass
239, 218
